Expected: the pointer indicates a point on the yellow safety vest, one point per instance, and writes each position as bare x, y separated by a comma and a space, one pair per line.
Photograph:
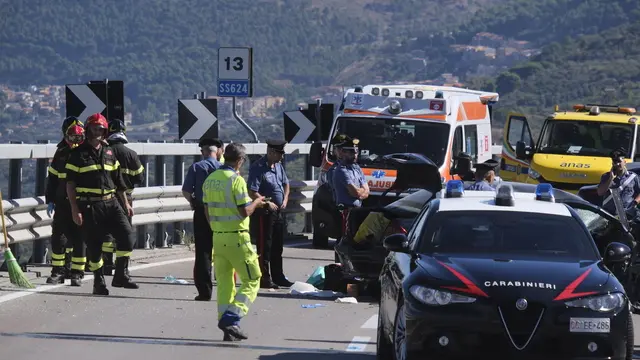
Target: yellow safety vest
223, 191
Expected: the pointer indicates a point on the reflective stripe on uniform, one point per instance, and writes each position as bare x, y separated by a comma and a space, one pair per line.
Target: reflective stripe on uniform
622, 186
93, 266
235, 309
57, 173
222, 200
78, 263
57, 259
85, 169
133, 172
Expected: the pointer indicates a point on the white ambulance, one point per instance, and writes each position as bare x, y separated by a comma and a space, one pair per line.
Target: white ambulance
436, 121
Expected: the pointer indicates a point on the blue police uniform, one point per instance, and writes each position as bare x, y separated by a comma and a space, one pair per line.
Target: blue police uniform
629, 185
329, 176
482, 169
343, 176
203, 235
268, 226
480, 186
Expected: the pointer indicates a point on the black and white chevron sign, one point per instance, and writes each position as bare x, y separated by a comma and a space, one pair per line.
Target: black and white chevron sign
103, 96
198, 119
301, 126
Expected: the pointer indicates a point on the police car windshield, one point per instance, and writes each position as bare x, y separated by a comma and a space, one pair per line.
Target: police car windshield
510, 234
588, 138
379, 137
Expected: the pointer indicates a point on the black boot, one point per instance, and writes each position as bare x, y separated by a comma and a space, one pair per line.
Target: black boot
99, 285
58, 274
107, 259
76, 277
265, 280
121, 277
277, 274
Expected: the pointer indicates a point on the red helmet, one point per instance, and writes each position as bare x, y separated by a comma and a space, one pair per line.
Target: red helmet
74, 136
97, 120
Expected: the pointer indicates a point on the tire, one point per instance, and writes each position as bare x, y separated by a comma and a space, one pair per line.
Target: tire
630, 338
384, 348
399, 333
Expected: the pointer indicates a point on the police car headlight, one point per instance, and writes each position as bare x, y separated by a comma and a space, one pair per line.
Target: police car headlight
438, 297
601, 303
534, 174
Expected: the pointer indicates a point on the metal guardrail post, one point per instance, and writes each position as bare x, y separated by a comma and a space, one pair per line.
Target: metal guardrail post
160, 175
178, 179
142, 229
40, 245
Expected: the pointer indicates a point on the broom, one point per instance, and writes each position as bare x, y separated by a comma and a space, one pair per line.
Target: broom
16, 276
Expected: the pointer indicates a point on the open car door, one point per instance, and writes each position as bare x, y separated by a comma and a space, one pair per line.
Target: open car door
516, 133
414, 172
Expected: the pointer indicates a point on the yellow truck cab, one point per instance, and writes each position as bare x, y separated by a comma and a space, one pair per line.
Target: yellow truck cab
437, 122
573, 147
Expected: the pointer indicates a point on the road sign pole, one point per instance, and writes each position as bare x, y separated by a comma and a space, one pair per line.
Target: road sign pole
319, 119
242, 122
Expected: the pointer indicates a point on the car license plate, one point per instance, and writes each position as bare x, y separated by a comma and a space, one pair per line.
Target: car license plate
590, 325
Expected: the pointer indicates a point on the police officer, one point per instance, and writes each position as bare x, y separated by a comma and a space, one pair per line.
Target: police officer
619, 177
484, 176
349, 184
268, 178
94, 179
337, 153
463, 167
211, 150
228, 207
68, 252
133, 174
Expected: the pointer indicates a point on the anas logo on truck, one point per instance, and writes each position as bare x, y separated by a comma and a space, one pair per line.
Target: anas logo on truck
575, 165
378, 174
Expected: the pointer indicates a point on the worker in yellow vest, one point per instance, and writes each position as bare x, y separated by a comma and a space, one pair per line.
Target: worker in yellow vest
229, 206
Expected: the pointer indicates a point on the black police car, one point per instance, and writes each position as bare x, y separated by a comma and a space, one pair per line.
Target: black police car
504, 277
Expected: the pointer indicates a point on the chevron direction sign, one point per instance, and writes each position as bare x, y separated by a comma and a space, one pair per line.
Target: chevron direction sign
197, 119
301, 126
102, 96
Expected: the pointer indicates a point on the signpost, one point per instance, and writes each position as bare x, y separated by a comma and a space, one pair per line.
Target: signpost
235, 72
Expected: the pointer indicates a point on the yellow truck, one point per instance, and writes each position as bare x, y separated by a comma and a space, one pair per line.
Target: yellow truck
573, 147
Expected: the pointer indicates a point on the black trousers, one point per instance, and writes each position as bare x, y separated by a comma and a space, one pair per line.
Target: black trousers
267, 230
108, 247
101, 218
66, 238
203, 239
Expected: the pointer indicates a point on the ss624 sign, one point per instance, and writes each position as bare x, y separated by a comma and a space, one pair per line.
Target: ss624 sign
235, 71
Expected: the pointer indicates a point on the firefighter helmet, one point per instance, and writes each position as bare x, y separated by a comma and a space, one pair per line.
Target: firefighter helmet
74, 135
68, 122
97, 120
116, 126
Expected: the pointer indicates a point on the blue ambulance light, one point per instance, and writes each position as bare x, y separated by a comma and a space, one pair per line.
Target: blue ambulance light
544, 192
504, 195
455, 189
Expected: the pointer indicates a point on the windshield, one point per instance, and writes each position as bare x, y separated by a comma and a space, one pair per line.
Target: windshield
379, 137
589, 138
507, 233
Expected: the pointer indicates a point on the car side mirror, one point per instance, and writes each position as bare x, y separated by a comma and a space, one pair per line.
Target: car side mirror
522, 150
315, 154
616, 252
397, 243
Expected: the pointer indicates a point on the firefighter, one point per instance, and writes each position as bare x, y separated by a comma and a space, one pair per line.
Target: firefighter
228, 207
94, 179
268, 178
68, 253
211, 150
133, 174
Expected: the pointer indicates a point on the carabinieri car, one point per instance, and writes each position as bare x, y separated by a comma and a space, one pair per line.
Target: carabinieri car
501, 275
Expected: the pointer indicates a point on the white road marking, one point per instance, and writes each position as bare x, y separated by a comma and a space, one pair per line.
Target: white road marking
372, 323
358, 343
20, 294
301, 244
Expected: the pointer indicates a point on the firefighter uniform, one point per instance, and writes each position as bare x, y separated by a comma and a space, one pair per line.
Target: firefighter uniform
133, 174
224, 192
68, 252
94, 177
268, 178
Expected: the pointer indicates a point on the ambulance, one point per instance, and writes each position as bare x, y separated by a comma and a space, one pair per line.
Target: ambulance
438, 122
573, 149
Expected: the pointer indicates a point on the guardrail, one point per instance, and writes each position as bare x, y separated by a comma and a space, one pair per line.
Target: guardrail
27, 220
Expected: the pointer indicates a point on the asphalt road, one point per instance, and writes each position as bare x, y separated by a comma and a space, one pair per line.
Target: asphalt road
161, 320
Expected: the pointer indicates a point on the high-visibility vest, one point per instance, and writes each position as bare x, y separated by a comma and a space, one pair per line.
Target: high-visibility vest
223, 191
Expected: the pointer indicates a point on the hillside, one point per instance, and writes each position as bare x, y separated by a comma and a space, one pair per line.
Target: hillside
165, 50
599, 68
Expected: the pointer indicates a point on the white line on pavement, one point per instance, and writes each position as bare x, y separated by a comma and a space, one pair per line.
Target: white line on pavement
372, 323
358, 343
19, 294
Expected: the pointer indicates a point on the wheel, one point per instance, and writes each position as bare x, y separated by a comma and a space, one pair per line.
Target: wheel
630, 338
320, 240
384, 348
399, 334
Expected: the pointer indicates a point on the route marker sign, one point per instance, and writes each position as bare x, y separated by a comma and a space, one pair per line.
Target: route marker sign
235, 72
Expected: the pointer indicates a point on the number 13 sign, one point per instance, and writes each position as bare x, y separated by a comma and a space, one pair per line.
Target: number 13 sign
235, 71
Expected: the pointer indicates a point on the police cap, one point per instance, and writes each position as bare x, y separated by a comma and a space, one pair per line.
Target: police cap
277, 145
487, 165
618, 153
463, 156
339, 138
210, 142
349, 144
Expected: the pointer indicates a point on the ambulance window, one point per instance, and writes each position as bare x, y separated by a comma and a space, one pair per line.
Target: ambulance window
471, 141
457, 141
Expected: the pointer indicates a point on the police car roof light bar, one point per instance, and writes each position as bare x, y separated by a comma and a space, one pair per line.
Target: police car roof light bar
504, 195
454, 189
544, 192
